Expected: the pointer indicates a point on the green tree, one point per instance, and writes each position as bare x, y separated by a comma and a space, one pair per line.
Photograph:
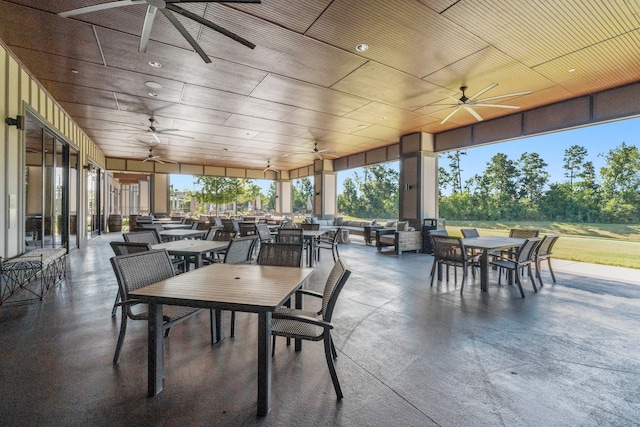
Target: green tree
348, 200
302, 189
621, 184
270, 201
216, 190
533, 177
573, 161
378, 189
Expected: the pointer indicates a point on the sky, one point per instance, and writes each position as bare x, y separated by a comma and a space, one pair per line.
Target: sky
597, 139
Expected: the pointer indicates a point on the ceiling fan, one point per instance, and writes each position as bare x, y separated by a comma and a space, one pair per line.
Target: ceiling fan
315, 151
466, 103
157, 133
269, 167
166, 7
158, 159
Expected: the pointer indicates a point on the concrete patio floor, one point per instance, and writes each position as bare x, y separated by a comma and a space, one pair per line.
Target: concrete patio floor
408, 354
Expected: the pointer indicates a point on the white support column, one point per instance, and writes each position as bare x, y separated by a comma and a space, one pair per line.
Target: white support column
284, 198
325, 187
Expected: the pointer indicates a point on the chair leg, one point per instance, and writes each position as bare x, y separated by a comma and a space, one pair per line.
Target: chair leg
333, 350
332, 368
334, 251
553, 276
533, 282
123, 329
115, 304
433, 271
273, 346
518, 283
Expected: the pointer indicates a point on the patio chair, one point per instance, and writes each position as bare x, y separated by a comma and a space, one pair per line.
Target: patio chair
329, 242
240, 251
310, 227
315, 326
247, 229
524, 257
229, 224
469, 232
280, 254
219, 235
137, 270
544, 252
523, 233
145, 235
264, 233
290, 235
450, 252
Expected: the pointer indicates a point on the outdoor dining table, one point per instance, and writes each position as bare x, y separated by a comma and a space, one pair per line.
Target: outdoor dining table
182, 234
166, 221
192, 248
488, 244
248, 288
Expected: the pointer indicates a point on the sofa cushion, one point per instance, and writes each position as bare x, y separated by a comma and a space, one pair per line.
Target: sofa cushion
402, 226
338, 221
390, 224
374, 222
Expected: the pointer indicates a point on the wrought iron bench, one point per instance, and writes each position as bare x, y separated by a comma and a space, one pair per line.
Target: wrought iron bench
34, 272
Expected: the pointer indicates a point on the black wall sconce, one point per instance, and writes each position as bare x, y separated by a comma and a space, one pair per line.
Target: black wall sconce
407, 187
18, 122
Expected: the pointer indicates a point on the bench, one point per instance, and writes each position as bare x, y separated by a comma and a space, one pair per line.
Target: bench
34, 272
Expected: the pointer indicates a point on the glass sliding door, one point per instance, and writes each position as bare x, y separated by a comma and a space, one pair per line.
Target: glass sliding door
49, 173
73, 198
94, 201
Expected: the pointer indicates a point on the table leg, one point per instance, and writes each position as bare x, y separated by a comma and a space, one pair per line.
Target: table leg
484, 270
264, 363
155, 351
198, 260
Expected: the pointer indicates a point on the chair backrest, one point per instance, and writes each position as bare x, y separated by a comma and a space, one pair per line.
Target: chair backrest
264, 233
448, 248
332, 288
145, 236
313, 227
288, 224
280, 254
240, 250
126, 248
230, 224
247, 229
438, 233
176, 218
215, 220
195, 225
526, 252
546, 246
135, 271
224, 235
523, 234
469, 232
290, 235
157, 227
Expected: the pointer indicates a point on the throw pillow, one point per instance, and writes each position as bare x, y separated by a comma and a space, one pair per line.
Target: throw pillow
402, 226
338, 221
374, 222
390, 224
314, 220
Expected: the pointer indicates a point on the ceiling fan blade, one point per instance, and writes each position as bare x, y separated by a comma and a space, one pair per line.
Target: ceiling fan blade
186, 34
199, 19
98, 7
146, 28
512, 107
158, 161
491, 86
455, 110
213, 1
155, 136
473, 113
175, 135
504, 96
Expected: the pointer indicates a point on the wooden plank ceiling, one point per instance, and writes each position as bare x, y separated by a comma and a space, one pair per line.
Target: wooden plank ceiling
305, 82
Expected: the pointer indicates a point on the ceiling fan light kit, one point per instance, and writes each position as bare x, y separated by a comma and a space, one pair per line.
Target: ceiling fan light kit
168, 8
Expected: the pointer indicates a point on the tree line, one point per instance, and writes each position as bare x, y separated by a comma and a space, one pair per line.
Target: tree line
519, 189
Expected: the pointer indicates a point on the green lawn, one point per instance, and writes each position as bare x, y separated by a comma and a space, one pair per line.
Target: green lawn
609, 244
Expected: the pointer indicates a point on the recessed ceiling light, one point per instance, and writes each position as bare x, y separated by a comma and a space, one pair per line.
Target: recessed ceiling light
384, 118
153, 94
362, 126
224, 149
362, 47
74, 71
572, 70
154, 85
155, 64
